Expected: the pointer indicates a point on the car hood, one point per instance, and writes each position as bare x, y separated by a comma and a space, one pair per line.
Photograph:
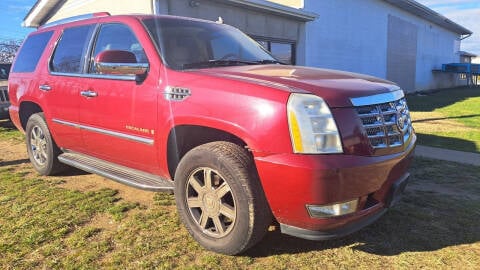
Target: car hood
335, 87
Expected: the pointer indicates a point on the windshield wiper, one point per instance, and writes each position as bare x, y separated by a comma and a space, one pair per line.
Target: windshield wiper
219, 63
269, 61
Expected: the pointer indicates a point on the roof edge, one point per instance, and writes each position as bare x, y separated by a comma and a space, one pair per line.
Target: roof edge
468, 54
37, 14
299, 14
428, 14
42, 8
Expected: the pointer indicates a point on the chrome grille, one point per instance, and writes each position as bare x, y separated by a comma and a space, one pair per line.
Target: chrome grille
4, 94
386, 124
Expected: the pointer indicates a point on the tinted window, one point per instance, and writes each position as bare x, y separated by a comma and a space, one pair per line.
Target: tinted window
71, 50
32, 49
118, 37
187, 44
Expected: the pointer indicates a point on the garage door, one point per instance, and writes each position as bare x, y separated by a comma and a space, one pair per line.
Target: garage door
402, 52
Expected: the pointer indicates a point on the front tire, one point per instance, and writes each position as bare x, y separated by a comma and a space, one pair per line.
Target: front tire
219, 198
42, 150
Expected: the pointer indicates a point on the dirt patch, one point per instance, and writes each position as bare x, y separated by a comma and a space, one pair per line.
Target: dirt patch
104, 222
92, 182
14, 154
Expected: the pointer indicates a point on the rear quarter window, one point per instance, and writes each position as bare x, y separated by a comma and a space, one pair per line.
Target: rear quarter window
31, 51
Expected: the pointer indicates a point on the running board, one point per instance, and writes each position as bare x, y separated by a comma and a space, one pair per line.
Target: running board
121, 174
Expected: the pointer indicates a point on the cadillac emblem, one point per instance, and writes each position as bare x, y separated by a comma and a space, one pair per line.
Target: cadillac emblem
402, 114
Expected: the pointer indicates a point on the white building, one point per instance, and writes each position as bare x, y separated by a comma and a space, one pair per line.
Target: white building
400, 40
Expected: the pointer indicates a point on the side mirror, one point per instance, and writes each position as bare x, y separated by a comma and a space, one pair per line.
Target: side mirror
117, 62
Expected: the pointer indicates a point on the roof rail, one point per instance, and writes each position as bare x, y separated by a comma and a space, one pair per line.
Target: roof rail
76, 18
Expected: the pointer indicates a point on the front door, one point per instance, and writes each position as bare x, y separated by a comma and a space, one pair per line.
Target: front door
118, 113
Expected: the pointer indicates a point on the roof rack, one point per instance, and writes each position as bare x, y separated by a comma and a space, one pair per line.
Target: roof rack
76, 18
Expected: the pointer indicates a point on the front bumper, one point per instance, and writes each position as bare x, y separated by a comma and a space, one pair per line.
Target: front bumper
362, 220
293, 181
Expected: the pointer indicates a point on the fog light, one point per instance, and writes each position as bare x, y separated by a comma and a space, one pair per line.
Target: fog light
332, 210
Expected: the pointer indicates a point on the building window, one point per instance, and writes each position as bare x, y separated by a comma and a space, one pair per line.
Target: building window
284, 51
463, 76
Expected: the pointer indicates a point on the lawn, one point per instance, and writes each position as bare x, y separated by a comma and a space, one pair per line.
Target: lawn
448, 118
45, 224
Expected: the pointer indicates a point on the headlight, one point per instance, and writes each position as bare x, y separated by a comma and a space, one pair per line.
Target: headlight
312, 127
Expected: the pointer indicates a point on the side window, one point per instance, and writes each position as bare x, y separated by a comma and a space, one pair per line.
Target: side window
116, 36
71, 50
31, 52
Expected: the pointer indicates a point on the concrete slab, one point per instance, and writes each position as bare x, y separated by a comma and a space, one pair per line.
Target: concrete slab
448, 155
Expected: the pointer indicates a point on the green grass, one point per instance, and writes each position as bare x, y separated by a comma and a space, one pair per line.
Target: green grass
448, 118
9, 132
44, 225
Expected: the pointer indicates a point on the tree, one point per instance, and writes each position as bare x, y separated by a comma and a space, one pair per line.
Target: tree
8, 49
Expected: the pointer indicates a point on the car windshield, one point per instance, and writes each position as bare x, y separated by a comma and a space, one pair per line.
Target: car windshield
192, 44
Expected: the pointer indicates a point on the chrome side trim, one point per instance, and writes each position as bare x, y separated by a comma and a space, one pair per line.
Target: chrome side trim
106, 132
122, 69
97, 76
378, 99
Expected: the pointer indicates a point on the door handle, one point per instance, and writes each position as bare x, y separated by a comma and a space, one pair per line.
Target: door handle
88, 93
45, 87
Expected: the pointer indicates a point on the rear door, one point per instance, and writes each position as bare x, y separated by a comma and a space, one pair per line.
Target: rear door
118, 113
63, 83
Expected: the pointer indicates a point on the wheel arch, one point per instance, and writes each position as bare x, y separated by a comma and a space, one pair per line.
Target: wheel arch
180, 141
27, 108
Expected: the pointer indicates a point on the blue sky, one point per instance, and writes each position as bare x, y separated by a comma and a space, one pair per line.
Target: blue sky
463, 12
12, 13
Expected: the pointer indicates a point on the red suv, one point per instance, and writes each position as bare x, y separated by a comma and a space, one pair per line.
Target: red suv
197, 107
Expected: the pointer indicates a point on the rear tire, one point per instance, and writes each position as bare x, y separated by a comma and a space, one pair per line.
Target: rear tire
220, 199
42, 150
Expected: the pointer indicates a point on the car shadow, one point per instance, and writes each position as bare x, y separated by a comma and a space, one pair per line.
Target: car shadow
72, 171
14, 162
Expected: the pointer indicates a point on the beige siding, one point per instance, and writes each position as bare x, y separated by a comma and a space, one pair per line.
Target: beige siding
290, 3
77, 7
